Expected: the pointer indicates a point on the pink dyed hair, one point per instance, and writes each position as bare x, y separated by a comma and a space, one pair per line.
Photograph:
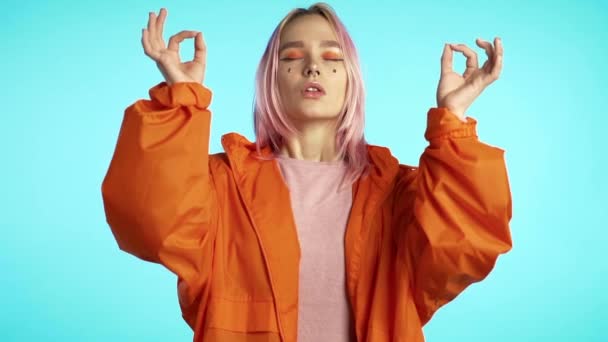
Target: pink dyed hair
270, 121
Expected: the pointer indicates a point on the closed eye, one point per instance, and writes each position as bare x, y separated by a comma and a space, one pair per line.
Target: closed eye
334, 57
292, 55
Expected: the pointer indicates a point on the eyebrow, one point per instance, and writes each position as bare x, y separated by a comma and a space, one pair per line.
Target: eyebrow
300, 44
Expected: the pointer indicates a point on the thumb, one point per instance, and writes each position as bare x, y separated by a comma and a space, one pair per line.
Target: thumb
446, 59
200, 48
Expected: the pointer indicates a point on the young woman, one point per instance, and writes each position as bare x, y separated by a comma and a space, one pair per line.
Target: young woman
310, 233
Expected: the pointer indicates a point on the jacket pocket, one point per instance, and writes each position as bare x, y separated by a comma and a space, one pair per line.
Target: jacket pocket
242, 315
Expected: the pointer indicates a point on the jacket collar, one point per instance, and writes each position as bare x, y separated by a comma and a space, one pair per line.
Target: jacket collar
241, 151
271, 215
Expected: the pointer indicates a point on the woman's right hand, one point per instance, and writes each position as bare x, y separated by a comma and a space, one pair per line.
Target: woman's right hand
167, 58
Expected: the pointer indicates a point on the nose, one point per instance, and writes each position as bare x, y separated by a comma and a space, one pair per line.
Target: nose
311, 69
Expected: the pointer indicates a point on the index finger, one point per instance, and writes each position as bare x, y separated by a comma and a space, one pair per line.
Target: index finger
487, 46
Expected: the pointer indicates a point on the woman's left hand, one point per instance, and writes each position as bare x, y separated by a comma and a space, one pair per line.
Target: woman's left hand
457, 92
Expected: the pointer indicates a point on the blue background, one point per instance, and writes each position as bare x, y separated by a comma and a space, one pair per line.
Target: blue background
70, 68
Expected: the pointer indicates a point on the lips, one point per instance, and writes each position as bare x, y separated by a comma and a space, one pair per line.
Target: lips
313, 90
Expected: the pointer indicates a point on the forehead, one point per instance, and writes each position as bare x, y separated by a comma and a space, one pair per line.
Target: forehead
308, 28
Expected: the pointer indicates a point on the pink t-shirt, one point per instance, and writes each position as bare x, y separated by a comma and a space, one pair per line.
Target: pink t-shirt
321, 212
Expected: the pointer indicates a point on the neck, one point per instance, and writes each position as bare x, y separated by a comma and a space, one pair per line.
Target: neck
316, 141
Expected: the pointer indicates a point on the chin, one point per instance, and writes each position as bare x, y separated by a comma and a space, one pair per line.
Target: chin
316, 115
318, 111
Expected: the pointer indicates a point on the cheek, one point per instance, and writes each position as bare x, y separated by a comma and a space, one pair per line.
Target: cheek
285, 82
282, 76
340, 80
287, 76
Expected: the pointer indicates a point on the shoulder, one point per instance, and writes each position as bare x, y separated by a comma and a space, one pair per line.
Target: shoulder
407, 177
382, 158
219, 160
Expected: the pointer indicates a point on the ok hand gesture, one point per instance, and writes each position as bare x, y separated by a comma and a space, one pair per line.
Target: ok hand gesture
457, 92
167, 58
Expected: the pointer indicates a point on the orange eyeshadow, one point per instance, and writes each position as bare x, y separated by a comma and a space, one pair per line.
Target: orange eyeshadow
331, 55
293, 54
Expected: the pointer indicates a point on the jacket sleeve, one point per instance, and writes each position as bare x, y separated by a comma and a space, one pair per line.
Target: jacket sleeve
456, 207
157, 194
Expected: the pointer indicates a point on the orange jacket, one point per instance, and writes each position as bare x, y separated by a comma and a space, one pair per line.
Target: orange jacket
416, 236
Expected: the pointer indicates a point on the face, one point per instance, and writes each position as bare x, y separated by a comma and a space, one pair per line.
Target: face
312, 75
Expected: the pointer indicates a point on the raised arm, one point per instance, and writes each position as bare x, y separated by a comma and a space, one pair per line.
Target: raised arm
158, 197
158, 180
459, 211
